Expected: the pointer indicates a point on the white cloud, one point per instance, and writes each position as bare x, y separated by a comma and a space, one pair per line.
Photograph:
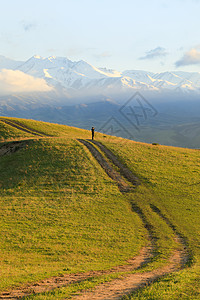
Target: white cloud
155, 53
192, 57
19, 82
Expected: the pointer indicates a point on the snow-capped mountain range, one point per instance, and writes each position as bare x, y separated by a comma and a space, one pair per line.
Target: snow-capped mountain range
159, 107
80, 78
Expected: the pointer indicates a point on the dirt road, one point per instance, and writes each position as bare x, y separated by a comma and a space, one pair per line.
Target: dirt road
117, 288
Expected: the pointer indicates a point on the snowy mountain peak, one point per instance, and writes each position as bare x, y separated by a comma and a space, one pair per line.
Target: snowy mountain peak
37, 57
82, 76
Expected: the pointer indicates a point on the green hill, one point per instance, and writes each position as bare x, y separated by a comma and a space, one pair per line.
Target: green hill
62, 214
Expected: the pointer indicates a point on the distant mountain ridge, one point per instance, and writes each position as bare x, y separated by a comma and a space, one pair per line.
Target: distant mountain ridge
141, 105
62, 73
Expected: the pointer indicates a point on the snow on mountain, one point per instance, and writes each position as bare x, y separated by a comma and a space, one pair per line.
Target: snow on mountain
80, 75
112, 85
166, 80
171, 77
139, 75
37, 65
110, 72
65, 75
193, 77
60, 70
88, 70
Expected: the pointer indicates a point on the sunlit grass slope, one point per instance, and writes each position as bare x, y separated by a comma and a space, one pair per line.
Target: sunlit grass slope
56, 130
8, 132
171, 181
60, 212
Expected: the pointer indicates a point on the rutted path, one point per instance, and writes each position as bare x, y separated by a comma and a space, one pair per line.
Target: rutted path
64, 280
122, 184
118, 287
49, 284
124, 171
23, 127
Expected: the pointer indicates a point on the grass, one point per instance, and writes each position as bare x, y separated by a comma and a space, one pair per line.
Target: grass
73, 289
51, 129
170, 179
8, 132
60, 212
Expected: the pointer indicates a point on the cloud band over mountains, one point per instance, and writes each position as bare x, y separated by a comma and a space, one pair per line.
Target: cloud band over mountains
18, 82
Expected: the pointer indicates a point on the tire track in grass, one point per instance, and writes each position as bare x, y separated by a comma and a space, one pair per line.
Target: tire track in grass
23, 127
124, 171
122, 184
50, 284
144, 256
187, 258
118, 287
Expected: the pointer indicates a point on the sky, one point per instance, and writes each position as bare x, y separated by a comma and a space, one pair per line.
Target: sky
152, 35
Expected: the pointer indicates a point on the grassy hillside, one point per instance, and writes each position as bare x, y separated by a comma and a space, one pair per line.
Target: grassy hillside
61, 213
9, 132
171, 181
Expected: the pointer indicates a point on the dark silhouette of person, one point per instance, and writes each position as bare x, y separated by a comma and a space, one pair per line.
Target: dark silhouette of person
92, 129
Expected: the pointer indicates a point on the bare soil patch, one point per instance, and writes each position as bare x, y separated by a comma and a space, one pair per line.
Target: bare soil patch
118, 287
11, 147
63, 280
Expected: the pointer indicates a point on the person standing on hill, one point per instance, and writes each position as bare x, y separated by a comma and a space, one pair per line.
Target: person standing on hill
92, 129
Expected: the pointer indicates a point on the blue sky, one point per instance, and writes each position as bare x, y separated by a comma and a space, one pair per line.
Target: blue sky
154, 35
